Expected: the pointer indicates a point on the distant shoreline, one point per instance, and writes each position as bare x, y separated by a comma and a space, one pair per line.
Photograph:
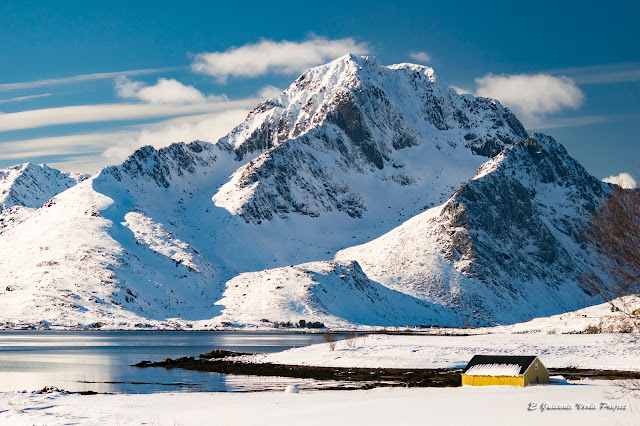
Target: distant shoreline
220, 361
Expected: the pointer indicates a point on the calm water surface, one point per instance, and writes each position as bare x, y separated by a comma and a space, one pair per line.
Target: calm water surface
101, 360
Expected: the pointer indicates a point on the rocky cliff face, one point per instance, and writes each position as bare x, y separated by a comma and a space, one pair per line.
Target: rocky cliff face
162, 166
522, 213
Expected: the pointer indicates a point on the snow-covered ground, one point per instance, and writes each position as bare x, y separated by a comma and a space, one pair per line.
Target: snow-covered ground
493, 405
558, 340
599, 317
599, 351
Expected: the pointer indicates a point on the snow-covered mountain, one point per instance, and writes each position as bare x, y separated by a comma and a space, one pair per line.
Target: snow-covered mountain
505, 247
26, 187
351, 130
334, 293
350, 151
31, 185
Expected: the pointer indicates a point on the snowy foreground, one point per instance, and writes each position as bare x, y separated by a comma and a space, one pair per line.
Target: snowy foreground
598, 351
466, 405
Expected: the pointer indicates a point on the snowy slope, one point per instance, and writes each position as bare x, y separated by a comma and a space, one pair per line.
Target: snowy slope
26, 187
31, 185
338, 294
598, 318
80, 259
505, 247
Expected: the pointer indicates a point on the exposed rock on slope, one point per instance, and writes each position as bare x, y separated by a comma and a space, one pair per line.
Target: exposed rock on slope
505, 247
355, 116
31, 185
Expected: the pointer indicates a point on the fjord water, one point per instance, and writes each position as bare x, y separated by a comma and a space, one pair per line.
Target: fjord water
101, 361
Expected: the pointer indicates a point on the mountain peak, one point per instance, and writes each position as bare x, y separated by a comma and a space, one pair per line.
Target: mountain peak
31, 185
361, 96
163, 165
362, 115
368, 67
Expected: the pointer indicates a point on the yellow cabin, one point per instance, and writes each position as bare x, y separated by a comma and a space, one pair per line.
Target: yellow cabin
487, 370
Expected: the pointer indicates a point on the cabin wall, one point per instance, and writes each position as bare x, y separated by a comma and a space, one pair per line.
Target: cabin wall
539, 376
494, 380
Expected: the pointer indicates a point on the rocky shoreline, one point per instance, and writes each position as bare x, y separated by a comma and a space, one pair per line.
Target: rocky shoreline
219, 361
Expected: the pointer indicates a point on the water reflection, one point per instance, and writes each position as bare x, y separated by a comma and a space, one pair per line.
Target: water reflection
101, 361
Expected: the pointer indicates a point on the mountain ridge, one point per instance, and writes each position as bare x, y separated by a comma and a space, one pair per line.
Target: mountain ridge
350, 153
509, 233
31, 185
342, 109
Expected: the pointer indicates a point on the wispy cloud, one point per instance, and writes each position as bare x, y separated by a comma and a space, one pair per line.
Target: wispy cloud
545, 123
602, 74
108, 112
90, 152
423, 57
24, 98
54, 146
80, 78
277, 57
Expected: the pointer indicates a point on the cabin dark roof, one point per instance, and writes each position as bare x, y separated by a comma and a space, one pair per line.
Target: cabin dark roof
523, 361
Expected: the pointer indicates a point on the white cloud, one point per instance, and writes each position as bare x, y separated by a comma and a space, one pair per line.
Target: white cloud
461, 91
531, 95
24, 98
126, 88
90, 152
170, 91
268, 92
109, 112
602, 74
420, 57
267, 56
79, 78
165, 91
624, 180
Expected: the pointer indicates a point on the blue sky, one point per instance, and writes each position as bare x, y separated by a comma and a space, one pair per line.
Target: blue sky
84, 83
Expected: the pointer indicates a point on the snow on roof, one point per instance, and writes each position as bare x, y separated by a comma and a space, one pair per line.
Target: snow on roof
494, 370
523, 362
